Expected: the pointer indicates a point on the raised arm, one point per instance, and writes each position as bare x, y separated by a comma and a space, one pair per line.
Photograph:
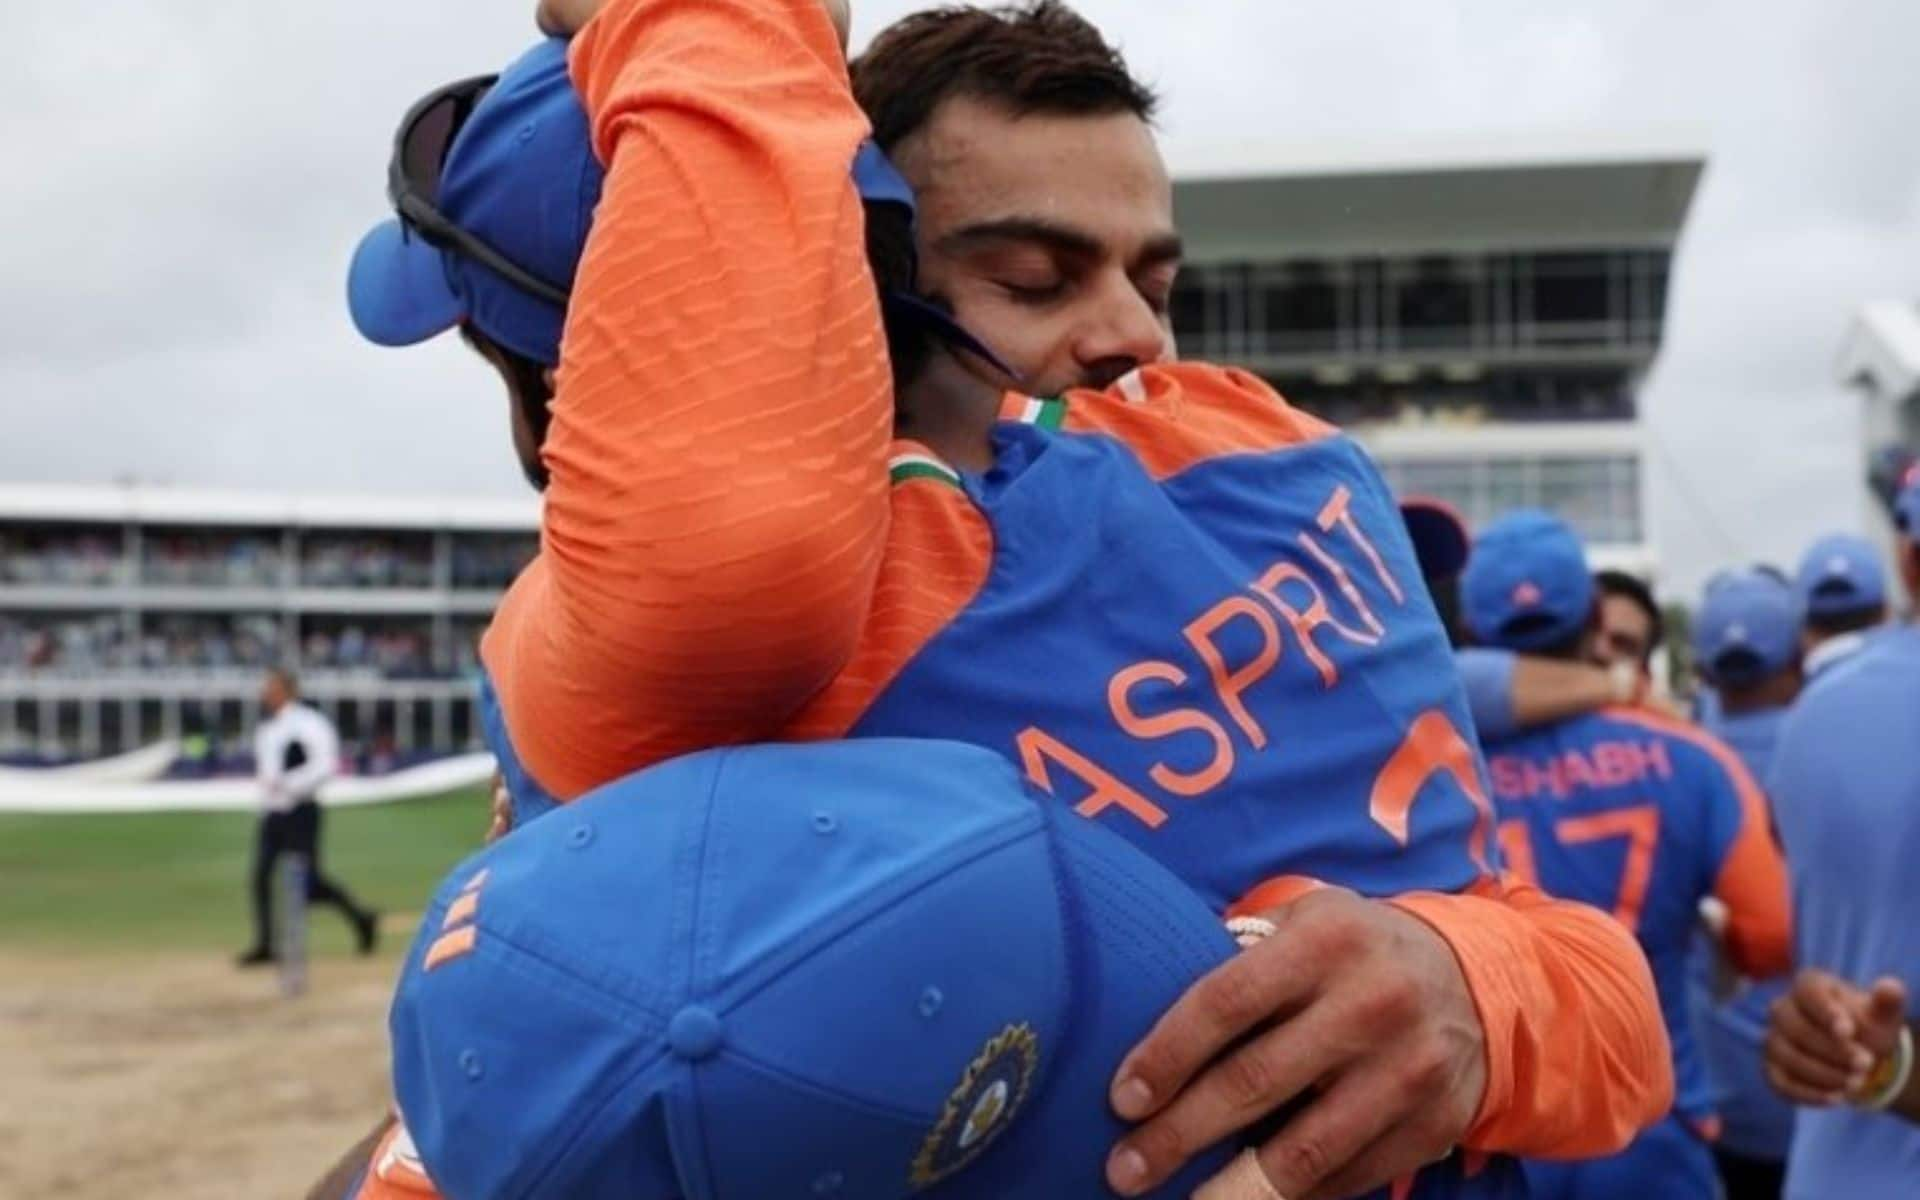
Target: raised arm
717, 501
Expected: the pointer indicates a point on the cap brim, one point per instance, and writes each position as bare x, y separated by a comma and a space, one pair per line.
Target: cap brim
1439, 536
397, 289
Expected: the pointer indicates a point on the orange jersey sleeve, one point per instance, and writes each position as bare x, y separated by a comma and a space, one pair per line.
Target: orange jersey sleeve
1753, 885
1578, 1060
718, 498
395, 1173
1752, 877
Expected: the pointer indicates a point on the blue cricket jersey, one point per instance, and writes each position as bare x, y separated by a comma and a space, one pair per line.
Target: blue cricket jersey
1846, 782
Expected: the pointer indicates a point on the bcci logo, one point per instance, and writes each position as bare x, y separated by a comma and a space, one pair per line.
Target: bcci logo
990, 1093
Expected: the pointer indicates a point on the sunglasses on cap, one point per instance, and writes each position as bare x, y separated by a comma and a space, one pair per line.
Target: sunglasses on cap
420, 149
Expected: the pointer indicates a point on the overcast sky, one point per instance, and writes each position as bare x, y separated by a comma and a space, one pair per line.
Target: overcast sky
187, 181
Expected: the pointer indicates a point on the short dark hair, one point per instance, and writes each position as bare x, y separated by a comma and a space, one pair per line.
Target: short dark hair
530, 387
1036, 57
1632, 587
1853, 620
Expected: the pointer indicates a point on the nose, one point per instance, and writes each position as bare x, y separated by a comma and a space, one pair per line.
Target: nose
1122, 331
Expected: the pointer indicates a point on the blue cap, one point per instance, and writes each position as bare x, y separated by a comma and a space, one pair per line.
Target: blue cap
1527, 585
1748, 628
1839, 574
520, 176
851, 969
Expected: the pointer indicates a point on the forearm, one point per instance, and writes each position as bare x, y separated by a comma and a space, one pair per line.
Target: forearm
1577, 1054
719, 500
723, 404
1547, 690
718, 506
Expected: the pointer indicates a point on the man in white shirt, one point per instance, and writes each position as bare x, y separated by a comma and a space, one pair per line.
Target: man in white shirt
295, 751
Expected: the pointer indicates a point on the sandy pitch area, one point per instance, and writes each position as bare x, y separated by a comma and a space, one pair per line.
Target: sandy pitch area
178, 1075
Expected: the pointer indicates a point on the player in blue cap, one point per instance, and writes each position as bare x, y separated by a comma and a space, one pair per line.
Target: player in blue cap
1263, 700
1842, 586
1746, 645
1846, 784
1633, 813
1506, 692
857, 970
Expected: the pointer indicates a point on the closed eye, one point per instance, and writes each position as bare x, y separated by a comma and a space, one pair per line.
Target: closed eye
1034, 294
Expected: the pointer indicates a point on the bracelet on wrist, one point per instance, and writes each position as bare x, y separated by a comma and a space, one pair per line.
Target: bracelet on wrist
1890, 1076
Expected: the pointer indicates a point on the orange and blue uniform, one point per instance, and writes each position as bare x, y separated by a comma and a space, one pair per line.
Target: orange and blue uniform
1644, 816
1182, 606
1640, 816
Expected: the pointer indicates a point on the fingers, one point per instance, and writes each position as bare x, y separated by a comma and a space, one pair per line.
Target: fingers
1242, 1179
1389, 1159
1794, 1090
1267, 982
1355, 1003
1808, 1073
1360, 1135
1234, 1093
1884, 1017
1810, 1033
1827, 1001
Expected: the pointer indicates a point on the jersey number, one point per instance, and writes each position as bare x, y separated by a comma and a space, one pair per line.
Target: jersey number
1640, 825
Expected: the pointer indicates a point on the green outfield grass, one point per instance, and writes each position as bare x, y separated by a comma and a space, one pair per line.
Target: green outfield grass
178, 880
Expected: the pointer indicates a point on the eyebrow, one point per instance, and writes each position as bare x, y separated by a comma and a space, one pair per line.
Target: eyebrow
1162, 248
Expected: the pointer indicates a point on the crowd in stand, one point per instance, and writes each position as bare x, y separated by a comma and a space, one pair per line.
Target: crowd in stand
188, 559
351, 561
71, 560
491, 563
94, 643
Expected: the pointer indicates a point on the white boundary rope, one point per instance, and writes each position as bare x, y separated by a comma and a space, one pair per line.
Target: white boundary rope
35, 792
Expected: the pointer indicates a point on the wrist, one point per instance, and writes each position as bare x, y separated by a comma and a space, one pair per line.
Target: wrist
1890, 1076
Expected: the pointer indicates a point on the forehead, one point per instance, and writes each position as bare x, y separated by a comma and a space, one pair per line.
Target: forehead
1617, 609
1102, 174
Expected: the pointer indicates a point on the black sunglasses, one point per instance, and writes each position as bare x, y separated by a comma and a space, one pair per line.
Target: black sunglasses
420, 149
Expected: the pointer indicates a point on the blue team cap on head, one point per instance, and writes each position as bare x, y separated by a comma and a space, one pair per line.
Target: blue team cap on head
1841, 573
1748, 628
521, 177
1527, 586
855, 970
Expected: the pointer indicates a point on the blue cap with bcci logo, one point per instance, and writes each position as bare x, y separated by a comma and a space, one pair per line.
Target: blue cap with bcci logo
861, 970
1527, 586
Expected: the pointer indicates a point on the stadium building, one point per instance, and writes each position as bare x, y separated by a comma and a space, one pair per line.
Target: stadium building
1482, 324
130, 616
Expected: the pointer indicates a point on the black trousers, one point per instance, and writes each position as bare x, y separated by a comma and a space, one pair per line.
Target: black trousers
1750, 1178
296, 831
